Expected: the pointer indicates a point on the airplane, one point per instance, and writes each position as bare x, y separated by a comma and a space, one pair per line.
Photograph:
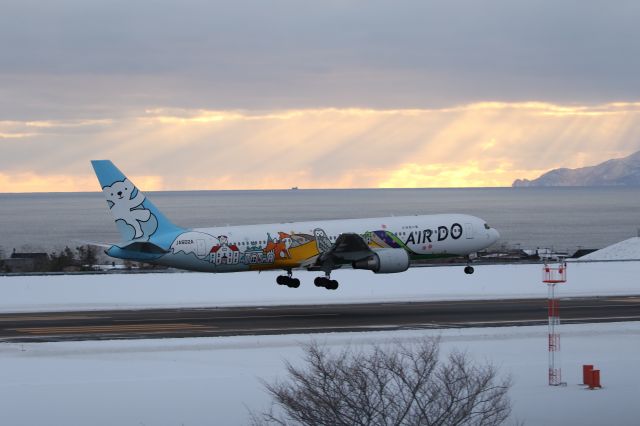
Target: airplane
382, 245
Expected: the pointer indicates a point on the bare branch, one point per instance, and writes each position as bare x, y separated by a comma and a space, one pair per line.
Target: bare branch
387, 385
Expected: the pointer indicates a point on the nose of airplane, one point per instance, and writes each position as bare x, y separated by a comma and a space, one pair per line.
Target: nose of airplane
495, 235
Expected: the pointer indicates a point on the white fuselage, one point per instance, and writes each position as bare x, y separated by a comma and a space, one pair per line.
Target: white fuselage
296, 244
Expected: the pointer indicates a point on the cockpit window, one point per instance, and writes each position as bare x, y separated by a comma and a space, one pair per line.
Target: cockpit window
486, 226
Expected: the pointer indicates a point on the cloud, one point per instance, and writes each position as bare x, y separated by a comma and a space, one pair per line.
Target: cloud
16, 135
469, 174
209, 94
33, 182
91, 59
482, 144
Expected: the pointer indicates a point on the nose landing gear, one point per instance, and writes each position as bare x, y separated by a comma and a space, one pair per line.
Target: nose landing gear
468, 269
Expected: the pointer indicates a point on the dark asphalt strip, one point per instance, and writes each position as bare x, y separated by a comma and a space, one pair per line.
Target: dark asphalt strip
265, 320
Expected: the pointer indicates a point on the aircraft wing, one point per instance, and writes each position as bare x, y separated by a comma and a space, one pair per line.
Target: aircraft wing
348, 247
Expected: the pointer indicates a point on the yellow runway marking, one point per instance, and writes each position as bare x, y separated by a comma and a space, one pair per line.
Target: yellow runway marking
626, 299
48, 318
111, 328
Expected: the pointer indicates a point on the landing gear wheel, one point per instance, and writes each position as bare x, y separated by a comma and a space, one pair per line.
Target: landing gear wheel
469, 270
288, 280
293, 283
325, 282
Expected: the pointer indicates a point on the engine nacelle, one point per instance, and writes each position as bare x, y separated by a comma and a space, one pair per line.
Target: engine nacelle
385, 261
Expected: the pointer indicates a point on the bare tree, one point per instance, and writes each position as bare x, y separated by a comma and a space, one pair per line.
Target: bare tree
399, 384
86, 257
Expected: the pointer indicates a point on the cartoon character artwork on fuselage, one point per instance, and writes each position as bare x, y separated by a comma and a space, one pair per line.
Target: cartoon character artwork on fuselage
381, 245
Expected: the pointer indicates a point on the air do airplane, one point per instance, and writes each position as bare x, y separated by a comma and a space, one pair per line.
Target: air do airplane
382, 245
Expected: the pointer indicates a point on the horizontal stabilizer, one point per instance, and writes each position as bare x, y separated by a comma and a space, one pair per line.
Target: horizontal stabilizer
144, 247
93, 244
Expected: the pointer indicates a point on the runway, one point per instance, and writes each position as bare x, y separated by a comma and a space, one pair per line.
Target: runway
208, 322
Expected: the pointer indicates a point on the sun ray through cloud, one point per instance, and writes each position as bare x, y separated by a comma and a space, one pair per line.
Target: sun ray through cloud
479, 145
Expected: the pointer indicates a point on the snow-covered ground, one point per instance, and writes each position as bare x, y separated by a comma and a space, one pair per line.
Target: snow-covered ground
209, 381
624, 250
213, 380
122, 291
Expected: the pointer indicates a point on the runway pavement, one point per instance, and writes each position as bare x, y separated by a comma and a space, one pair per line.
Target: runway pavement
166, 323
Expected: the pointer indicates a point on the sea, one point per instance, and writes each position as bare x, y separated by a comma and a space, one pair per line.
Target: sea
564, 219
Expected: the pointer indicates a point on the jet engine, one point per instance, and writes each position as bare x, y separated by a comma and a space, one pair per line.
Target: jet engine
384, 261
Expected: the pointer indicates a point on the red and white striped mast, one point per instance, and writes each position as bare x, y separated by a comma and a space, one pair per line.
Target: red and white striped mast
552, 275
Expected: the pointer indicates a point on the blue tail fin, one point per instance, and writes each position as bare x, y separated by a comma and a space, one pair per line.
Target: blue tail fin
136, 217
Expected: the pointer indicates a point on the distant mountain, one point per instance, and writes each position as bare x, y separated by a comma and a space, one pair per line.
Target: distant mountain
617, 172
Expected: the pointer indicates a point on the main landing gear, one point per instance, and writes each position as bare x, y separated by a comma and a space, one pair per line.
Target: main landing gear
291, 282
288, 280
326, 282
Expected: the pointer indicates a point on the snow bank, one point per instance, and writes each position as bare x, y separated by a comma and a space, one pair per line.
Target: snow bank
126, 291
213, 380
624, 250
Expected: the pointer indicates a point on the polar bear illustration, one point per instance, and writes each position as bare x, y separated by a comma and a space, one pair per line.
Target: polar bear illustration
125, 208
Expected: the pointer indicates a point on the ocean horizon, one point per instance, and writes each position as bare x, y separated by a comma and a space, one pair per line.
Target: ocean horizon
564, 218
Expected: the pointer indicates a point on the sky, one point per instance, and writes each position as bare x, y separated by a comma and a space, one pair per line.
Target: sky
333, 94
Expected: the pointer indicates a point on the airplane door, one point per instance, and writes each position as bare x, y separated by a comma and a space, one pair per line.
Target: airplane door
468, 230
200, 248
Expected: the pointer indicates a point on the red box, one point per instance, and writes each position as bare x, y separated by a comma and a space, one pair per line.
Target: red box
586, 374
595, 379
